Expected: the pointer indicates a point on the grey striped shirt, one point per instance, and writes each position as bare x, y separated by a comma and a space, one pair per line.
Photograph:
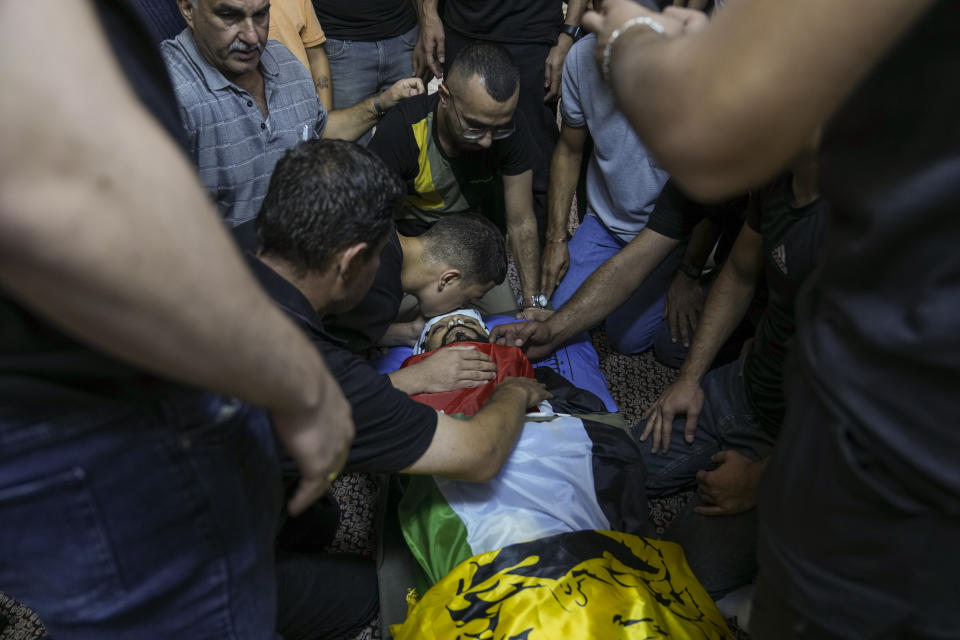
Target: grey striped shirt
233, 146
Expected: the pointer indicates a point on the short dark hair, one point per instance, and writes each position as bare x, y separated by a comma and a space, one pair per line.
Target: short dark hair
499, 75
325, 196
468, 242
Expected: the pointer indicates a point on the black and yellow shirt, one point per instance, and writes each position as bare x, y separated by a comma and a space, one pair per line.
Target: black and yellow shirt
407, 141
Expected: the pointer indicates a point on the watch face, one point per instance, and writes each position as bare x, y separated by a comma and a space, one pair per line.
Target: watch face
542, 301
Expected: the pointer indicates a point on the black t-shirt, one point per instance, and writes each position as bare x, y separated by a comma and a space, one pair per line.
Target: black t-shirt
365, 20
792, 238
675, 215
864, 507
408, 142
392, 431
520, 21
40, 365
364, 325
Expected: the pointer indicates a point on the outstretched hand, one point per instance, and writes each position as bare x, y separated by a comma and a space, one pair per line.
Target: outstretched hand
535, 337
535, 391
682, 397
455, 367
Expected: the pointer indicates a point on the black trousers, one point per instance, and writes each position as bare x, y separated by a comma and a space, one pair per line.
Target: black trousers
325, 596
541, 118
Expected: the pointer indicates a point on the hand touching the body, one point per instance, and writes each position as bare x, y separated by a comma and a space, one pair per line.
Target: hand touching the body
454, 367
535, 338
683, 397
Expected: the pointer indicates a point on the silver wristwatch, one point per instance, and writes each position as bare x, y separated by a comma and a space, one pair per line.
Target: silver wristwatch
538, 301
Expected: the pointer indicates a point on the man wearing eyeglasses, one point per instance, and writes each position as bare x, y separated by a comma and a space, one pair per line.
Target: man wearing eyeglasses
466, 149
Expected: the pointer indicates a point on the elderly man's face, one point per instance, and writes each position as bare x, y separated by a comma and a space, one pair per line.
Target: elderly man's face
229, 33
455, 328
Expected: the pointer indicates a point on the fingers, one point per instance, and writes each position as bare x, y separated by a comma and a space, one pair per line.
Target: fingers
648, 426
563, 270
719, 456
684, 324
418, 65
503, 333
655, 430
551, 82
308, 492
437, 59
513, 334
691, 427
672, 322
414, 87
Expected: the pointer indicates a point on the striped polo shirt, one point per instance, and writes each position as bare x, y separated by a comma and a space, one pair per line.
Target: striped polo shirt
232, 145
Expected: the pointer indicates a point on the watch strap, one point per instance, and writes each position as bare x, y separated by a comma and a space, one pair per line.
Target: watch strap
572, 30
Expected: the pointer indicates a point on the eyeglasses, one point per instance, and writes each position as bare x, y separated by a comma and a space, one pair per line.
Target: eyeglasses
475, 133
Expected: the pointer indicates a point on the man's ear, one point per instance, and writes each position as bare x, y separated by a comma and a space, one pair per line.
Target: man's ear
444, 93
351, 260
186, 10
448, 277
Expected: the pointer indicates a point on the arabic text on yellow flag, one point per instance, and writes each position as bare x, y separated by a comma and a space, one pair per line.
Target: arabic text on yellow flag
586, 584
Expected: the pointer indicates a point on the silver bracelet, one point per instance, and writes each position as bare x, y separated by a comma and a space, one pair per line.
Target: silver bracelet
629, 24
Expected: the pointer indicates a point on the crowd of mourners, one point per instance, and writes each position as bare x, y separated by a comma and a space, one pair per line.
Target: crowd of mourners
214, 214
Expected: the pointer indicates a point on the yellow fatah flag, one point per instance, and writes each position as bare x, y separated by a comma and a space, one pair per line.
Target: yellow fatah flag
586, 584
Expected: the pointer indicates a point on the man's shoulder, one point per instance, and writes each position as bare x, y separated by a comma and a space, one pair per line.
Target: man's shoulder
410, 111
579, 62
179, 59
186, 74
276, 54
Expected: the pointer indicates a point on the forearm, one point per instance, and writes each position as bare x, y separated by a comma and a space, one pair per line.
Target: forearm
575, 9
320, 70
497, 426
407, 380
714, 107
112, 238
564, 172
426, 10
352, 122
701, 243
526, 251
610, 285
726, 305
400, 334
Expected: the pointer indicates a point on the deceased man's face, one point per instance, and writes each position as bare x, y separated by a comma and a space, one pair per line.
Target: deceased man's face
455, 328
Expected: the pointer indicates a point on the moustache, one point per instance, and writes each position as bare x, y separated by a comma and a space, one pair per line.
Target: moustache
237, 45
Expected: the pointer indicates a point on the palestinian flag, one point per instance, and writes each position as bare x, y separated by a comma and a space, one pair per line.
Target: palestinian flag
567, 473
587, 584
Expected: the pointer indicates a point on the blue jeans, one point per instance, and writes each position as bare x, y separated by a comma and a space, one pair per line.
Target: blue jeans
631, 327
726, 422
721, 550
360, 70
149, 521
